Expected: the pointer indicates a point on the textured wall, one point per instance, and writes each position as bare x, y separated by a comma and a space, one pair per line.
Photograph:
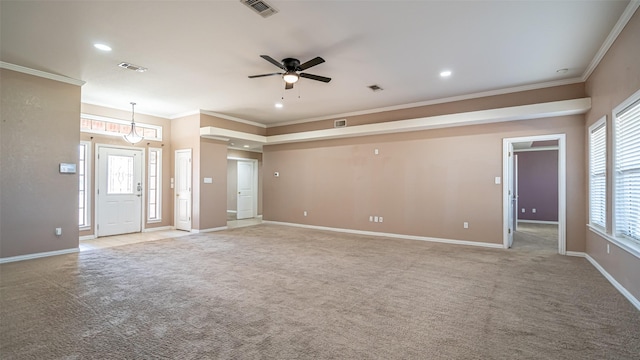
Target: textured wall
213, 197
424, 183
615, 79
232, 184
39, 130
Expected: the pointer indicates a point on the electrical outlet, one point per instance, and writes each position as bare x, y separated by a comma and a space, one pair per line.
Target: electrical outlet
533, 210
371, 218
305, 213
523, 210
375, 219
58, 231
465, 225
380, 218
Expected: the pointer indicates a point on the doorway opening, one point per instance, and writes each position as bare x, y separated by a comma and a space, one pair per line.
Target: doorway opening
534, 193
242, 192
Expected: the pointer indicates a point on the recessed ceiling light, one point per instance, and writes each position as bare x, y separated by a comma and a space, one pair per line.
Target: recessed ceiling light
246, 146
445, 73
102, 47
562, 71
279, 105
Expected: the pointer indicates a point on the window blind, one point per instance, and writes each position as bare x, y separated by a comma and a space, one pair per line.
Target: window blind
598, 174
627, 172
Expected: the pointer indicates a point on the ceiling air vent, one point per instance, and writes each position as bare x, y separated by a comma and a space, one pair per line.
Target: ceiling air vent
340, 123
261, 7
375, 88
128, 66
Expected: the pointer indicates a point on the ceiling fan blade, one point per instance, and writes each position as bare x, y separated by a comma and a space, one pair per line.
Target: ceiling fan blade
273, 61
315, 77
288, 86
257, 76
313, 62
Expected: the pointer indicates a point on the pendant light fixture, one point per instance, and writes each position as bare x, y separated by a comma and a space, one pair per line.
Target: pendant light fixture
132, 137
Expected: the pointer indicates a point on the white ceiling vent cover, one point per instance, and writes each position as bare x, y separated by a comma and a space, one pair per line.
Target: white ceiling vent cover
128, 66
340, 123
261, 7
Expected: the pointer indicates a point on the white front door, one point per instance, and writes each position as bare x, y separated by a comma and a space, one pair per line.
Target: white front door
119, 191
245, 190
183, 190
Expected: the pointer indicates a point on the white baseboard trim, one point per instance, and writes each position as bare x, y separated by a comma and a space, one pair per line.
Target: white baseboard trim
576, 254
614, 282
38, 255
538, 222
390, 235
159, 228
232, 211
197, 231
87, 237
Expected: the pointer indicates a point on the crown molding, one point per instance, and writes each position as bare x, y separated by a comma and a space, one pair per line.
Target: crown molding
613, 35
513, 113
232, 118
42, 74
437, 101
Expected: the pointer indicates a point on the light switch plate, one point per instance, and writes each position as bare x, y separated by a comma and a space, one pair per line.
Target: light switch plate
208, 180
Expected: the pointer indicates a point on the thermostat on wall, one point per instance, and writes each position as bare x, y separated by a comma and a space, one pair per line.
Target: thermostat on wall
67, 168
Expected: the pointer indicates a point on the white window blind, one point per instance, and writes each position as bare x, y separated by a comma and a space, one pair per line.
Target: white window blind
627, 173
598, 174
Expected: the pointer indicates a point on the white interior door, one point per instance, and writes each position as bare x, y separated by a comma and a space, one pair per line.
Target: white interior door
512, 194
183, 190
119, 191
246, 191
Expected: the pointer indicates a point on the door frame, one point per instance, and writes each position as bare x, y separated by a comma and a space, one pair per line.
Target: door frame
96, 177
562, 186
175, 187
254, 182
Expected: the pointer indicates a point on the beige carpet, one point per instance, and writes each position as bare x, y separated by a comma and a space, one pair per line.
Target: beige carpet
274, 292
542, 238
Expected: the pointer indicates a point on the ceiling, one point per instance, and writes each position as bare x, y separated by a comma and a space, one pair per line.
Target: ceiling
199, 54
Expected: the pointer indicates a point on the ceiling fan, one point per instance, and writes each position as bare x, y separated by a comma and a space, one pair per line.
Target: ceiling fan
291, 67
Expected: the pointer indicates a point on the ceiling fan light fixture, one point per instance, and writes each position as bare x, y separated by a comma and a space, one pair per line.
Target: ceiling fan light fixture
290, 77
